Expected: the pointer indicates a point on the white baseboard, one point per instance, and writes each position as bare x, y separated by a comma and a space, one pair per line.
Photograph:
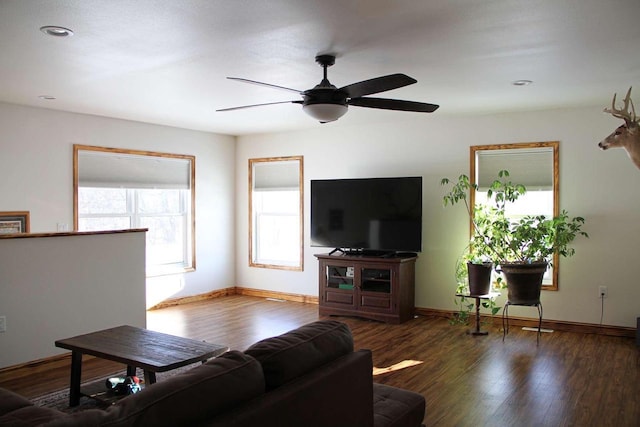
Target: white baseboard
526, 328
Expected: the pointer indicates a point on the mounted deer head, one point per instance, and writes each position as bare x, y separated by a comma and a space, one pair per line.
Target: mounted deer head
627, 135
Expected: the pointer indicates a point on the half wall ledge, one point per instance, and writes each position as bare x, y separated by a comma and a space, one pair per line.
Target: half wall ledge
70, 233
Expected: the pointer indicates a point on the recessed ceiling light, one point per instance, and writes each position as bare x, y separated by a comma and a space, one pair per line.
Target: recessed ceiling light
47, 97
55, 31
521, 82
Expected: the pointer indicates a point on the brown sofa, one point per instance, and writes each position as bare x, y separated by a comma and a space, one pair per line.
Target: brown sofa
308, 377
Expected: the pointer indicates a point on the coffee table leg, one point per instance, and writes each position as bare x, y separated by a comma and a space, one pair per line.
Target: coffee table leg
149, 377
76, 374
131, 370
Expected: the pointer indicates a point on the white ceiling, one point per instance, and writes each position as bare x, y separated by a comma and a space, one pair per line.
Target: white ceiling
165, 61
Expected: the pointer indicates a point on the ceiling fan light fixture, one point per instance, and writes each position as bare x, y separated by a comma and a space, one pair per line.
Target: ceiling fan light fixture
327, 103
325, 112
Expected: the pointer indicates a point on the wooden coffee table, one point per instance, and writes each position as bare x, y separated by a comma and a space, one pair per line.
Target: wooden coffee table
137, 348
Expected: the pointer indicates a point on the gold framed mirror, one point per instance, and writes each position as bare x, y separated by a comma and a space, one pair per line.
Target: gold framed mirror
534, 164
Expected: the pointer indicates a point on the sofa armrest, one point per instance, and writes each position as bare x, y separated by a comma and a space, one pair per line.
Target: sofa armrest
337, 394
190, 398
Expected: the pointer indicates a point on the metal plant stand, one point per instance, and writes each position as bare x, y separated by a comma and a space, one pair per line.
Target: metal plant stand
505, 318
490, 295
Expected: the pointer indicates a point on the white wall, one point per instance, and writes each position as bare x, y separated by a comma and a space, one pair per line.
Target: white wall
600, 186
58, 287
36, 174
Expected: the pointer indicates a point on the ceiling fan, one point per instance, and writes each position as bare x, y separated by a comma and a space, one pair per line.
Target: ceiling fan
327, 103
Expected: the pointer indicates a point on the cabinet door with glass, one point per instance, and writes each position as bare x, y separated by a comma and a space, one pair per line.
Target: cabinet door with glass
338, 285
376, 288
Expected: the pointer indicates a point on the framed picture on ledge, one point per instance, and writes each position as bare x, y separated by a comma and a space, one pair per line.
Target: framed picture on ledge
14, 222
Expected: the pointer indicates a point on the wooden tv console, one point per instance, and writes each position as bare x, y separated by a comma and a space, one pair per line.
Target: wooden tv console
377, 288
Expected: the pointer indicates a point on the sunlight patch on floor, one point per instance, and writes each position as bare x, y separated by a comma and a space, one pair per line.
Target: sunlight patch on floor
396, 367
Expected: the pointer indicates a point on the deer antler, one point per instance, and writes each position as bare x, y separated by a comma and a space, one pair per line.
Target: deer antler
623, 113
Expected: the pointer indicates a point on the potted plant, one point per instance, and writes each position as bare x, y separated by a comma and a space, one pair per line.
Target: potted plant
522, 248
473, 277
479, 255
474, 267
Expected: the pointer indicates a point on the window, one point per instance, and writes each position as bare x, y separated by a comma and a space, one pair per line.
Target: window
121, 189
275, 213
533, 164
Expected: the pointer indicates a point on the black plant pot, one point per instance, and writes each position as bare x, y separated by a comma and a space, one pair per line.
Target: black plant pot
524, 282
479, 278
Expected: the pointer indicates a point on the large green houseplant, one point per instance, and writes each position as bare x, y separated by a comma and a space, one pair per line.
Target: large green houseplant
514, 246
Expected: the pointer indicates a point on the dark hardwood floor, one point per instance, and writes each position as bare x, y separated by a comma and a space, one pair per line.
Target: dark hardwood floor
570, 379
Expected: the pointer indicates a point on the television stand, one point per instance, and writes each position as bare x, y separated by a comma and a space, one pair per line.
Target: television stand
373, 287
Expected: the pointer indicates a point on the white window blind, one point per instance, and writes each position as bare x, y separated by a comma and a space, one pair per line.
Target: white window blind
532, 168
132, 171
276, 176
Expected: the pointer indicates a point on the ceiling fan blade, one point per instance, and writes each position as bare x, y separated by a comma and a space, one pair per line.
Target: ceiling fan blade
265, 84
394, 104
259, 105
377, 85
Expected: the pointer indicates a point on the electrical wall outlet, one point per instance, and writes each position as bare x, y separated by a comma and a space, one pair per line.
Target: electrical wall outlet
3, 323
603, 292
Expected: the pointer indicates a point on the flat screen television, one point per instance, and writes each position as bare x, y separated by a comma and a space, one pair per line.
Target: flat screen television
375, 215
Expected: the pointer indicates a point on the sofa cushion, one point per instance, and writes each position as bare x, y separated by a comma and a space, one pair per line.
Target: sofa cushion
17, 411
10, 401
301, 350
30, 416
189, 398
337, 394
394, 407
